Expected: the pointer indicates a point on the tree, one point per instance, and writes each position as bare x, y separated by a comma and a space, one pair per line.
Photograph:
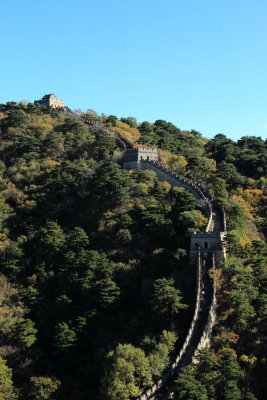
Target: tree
159, 358
229, 172
177, 163
25, 333
127, 374
7, 391
52, 237
124, 236
131, 121
231, 390
78, 239
207, 371
183, 201
107, 291
230, 374
202, 167
104, 146
91, 115
112, 120
187, 387
112, 182
166, 299
192, 219
65, 338
10, 259
43, 388
147, 133
16, 118
220, 191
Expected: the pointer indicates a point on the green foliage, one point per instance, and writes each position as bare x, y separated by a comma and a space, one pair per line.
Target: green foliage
202, 167
220, 191
91, 115
16, 118
52, 237
166, 298
78, 239
65, 338
128, 373
166, 136
7, 391
159, 357
10, 259
184, 201
189, 218
188, 387
112, 120
131, 121
92, 251
25, 333
43, 388
112, 182
104, 146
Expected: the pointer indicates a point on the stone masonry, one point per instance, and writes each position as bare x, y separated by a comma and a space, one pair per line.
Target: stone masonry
50, 100
134, 157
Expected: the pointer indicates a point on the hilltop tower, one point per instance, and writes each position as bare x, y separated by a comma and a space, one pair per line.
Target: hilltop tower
133, 157
50, 100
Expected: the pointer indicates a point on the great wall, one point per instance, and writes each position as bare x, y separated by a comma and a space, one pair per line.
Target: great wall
206, 249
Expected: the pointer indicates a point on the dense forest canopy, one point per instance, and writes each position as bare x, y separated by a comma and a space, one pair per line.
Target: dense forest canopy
96, 291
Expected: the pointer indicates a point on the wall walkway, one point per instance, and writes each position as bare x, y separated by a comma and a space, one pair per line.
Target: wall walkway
200, 331
124, 143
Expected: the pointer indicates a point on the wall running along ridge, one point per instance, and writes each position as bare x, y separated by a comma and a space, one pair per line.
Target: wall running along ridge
215, 241
213, 238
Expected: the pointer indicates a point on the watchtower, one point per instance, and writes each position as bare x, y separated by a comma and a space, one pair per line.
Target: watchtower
133, 157
207, 242
50, 100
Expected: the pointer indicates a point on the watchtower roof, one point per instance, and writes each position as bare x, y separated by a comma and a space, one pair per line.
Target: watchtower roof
46, 96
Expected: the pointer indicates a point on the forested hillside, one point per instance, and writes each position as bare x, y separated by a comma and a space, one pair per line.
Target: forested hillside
95, 287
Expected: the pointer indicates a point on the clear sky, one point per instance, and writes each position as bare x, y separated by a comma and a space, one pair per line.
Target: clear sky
200, 64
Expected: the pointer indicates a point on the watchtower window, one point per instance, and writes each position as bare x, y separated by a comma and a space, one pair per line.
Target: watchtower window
196, 244
205, 245
141, 157
147, 158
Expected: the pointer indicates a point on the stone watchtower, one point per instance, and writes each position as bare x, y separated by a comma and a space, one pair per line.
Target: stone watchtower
50, 100
208, 242
133, 158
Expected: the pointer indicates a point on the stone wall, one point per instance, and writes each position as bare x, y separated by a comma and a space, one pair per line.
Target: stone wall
151, 391
165, 174
208, 242
201, 241
122, 142
51, 100
134, 157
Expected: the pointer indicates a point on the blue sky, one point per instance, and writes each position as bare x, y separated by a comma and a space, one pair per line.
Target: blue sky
200, 64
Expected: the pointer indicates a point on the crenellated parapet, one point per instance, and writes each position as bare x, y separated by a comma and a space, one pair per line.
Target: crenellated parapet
98, 126
166, 174
208, 242
50, 100
134, 157
206, 249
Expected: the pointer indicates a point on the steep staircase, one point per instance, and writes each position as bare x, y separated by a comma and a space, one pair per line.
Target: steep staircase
201, 325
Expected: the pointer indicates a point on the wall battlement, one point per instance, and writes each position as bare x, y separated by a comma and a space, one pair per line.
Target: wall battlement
207, 242
50, 100
142, 149
133, 157
210, 241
